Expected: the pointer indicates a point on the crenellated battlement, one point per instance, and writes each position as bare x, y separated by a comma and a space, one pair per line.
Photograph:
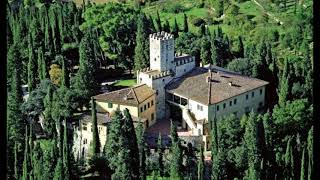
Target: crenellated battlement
161, 36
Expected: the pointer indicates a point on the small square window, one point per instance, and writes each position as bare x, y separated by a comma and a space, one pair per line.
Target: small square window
252, 94
141, 109
110, 105
230, 103
145, 107
148, 104
224, 105
235, 101
152, 103
247, 96
260, 91
217, 107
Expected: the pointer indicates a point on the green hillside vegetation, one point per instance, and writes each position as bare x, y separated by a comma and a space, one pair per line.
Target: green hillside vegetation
46, 40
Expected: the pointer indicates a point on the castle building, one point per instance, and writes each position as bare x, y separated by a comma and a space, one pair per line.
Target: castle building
191, 96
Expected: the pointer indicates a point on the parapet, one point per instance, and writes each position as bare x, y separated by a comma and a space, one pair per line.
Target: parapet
161, 36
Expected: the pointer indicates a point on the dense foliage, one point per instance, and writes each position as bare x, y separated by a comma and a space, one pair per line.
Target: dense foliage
57, 49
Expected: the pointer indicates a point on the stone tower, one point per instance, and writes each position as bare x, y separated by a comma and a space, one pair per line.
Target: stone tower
161, 51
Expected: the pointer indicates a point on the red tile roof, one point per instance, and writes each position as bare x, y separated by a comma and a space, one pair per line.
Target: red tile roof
194, 85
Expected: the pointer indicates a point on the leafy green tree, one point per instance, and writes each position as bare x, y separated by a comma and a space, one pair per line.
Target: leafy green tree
141, 57
95, 146
116, 25
185, 23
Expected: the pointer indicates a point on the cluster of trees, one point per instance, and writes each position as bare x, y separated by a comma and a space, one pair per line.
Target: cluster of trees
47, 40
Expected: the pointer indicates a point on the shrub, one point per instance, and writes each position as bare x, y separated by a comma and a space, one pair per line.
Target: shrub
175, 8
198, 21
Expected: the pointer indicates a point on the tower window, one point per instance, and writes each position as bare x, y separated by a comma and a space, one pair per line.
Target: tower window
230, 103
224, 105
252, 94
260, 91
217, 107
235, 101
247, 96
155, 59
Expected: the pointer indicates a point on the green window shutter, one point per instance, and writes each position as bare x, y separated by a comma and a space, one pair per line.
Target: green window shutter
110, 105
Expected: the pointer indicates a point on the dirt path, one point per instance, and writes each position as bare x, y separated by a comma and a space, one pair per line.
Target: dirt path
269, 14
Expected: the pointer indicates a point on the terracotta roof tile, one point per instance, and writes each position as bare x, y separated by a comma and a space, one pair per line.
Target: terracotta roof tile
128, 96
194, 85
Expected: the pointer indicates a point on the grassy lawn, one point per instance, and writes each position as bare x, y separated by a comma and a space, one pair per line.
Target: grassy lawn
126, 82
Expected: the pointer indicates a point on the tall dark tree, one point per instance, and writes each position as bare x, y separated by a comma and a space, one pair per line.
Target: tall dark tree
131, 143
158, 23
176, 154
84, 82
65, 152
205, 53
201, 165
142, 151
240, 48
42, 66
32, 69
26, 160
141, 57
95, 146
185, 23
160, 153
175, 29
166, 26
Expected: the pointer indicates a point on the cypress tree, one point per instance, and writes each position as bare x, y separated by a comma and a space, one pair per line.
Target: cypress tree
58, 171
310, 154
303, 166
65, 152
16, 168
252, 142
42, 68
95, 146
160, 153
65, 73
32, 69
240, 47
288, 159
214, 132
166, 26
175, 29
176, 154
202, 30
140, 57
205, 53
142, 153
131, 143
214, 56
25, 170
185, 23
201, 165
158, 22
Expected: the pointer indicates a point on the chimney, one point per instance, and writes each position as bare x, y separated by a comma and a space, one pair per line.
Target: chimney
208, 79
